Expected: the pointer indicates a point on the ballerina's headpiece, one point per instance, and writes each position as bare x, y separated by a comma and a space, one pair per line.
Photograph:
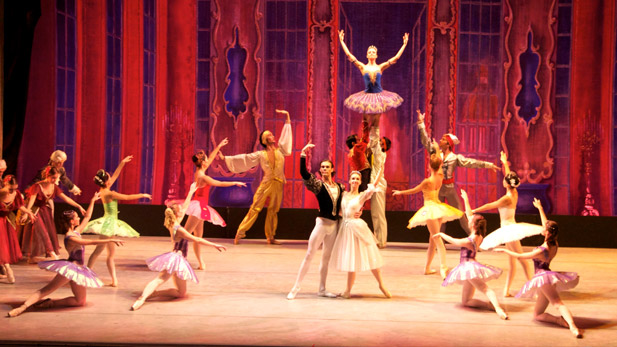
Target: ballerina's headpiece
452, 140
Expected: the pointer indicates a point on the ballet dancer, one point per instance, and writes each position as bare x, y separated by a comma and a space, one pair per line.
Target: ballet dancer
329, 195
506, 205
173, 264
448, 191
272, 162
355, 248
373, 99
471, 274
57, 159
70, 271
434, 213
357, 158
109, 225
198, 210
546, 284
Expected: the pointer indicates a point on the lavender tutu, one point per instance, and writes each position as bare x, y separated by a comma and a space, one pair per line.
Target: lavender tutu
469, 270
174, 263
79, 274
561, 280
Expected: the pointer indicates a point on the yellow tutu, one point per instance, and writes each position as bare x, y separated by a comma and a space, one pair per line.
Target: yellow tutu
434, 210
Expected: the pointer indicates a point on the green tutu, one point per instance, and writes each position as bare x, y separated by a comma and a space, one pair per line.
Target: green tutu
109, 224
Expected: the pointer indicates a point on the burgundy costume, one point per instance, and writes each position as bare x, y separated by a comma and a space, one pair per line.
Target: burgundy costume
40, 237
9, 244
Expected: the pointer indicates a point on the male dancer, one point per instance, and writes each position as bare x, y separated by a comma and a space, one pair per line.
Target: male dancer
329, 195
57, 159
379, 146
357, 155
272, 161
451, 161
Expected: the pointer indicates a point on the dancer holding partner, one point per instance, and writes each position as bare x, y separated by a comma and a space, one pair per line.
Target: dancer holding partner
329, 195
198, 209
379, 146
109, 225
70, 271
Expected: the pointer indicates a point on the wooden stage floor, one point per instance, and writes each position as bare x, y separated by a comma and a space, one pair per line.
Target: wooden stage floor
241, 300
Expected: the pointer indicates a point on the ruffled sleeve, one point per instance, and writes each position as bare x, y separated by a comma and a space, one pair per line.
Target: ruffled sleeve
242, 162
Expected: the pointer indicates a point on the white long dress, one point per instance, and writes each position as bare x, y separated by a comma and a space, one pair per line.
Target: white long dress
355, 248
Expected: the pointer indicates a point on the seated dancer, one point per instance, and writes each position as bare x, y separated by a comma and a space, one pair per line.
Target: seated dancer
329, 195
355, 248
379, 146
506, 205
109, 225
10, 202
198, 210
272, 162
357, 155
471, 274
174, 263
71, 270
434, 213
451, 161
373, 99
547, 284
39, 236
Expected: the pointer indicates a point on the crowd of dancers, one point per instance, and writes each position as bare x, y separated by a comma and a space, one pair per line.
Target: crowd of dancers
27, 227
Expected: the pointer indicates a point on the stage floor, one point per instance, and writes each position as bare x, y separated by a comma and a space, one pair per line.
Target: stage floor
241, 300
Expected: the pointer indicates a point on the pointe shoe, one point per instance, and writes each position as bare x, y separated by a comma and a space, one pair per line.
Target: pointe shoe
502, 314
443, 271
385, 292
11, 279
577, 333
326, 294
114, 284
16, 311
273, 242
292, 294
429, 271
507, 295
201, 266
345, 295
138, 304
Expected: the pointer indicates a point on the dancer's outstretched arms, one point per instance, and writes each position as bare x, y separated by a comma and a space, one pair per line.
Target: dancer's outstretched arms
504, 161
352, 59
503, 201
186, 235
114, 177
468, 210
457, 242
413, 190
538, 205
88, 213
211, 181
426, 141
394, 59
72, 203
119, 196
527, 255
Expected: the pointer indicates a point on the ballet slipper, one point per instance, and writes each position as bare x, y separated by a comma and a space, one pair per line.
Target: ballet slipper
345, 295
201, 266
292, 294
385, 292
443, 271
138, 304
502, 314
574, 330
507, 295
273, 241
326, 294
114, 283
11, 278
16, 311
429, 271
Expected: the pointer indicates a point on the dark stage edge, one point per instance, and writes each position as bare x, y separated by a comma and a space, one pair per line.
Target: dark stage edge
297, 224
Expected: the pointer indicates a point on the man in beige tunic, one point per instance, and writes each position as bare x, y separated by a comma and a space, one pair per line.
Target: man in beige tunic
272, 161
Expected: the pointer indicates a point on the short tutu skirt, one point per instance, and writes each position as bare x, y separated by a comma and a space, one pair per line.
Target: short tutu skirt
509, 233
469, 270
434, 210
373, 103
80, 274
110, 226
200, 209
355, 248
173, 263
561, 280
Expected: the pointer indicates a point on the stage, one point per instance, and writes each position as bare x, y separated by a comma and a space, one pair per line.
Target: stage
241, 300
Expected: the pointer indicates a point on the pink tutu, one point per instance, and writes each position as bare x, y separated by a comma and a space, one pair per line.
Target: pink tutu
469, 270
79, 274
373, 103
561, 280
199, 208
174, 263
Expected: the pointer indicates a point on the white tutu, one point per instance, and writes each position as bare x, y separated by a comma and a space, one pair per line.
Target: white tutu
355, 248
509, 233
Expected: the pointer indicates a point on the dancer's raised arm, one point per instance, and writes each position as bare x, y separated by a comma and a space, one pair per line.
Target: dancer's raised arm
116, 174
394, 59
538, 205
351, 57
468, 210
504, 161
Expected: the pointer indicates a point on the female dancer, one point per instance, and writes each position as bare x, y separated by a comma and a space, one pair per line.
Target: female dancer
506, 205
174, 263
39, 237
199, 210
70, 271
109, 225
433, 213
12, 201
546, 283
373, 99
355, 248
471, 274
